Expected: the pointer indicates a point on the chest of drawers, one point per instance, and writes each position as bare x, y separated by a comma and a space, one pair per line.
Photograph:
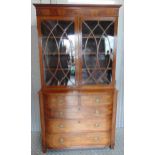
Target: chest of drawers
77, 49
78, 120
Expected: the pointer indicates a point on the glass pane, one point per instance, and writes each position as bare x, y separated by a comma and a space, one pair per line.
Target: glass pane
58, 52
97, 51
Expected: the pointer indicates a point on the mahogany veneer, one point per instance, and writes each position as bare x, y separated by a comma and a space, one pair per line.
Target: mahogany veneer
77, 46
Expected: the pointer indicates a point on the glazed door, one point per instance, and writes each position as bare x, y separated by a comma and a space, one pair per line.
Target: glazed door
58, 52
97, 51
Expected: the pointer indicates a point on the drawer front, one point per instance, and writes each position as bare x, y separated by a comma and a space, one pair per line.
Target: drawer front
79, 112
77, 139
96, 99
61, 126
56, 101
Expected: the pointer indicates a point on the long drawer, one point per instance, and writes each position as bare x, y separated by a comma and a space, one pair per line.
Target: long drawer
83, 99
79, 112
77, 139
84, 125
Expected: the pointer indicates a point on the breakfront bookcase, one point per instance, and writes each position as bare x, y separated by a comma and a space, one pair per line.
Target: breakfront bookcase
77, 48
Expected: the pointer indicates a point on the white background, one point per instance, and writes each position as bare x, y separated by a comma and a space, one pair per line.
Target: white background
15, 77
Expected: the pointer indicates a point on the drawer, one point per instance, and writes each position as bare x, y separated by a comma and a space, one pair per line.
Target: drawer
55, 101
60, 125
79, 112
77, 139
96, 99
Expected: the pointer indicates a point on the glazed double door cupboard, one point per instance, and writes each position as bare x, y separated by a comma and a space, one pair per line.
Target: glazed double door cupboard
77, 47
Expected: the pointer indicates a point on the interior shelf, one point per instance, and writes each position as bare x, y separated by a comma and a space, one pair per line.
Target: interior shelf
93, 53
82, 68
56, 53
96, 36
57, 68
83, 53
83, 36
96, 68
51, 37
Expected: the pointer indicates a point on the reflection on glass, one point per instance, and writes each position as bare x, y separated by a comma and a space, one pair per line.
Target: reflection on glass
97, 49
58, 52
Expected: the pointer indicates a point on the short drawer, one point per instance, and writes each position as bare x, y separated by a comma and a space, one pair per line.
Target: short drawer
77, 139
56, 101
61, 126
96, 99
79, 112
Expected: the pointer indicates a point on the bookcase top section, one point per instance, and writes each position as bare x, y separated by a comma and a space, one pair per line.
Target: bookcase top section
78, 5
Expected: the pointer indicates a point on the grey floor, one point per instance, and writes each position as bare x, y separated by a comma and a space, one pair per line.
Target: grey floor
119, 147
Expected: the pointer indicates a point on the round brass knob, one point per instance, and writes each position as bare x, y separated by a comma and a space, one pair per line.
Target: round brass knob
61, 126
61, 140
97, 112
61, 113
96, 138
97, 100
61, 101
97, 125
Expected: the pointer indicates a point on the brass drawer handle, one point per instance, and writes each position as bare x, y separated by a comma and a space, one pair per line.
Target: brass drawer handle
79, 109
97, 100
61, 113
61, 140
97, 125
97, 112
61, 126
96, 138
61, 101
